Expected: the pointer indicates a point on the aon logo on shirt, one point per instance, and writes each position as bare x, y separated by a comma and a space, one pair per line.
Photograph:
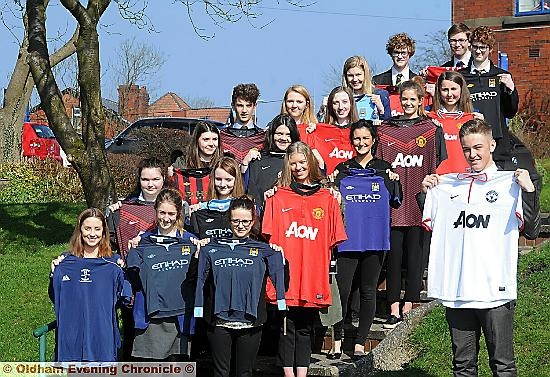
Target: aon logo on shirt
301, 231
471, 220
407, 161
342, 154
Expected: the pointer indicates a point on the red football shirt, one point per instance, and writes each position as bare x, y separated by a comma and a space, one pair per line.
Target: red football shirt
412, 153
306, 227
239, 146
451, 124
333, 144
434, 72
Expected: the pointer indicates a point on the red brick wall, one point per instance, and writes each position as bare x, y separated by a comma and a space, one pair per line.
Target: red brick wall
133, 102
529, 73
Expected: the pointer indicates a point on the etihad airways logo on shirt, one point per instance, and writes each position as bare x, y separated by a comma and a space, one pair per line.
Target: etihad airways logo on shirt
301, 231
483, 96
233, 262
169, 265
362, 198
220, 232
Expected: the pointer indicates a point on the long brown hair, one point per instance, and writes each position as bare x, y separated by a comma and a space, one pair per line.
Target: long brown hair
173, 197
464, 103
331, 117
415, 84
315, 174
76, 243
231, 167
193, 159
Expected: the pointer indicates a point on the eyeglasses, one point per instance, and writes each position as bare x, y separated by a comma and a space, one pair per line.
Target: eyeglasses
245, 223
480, 48
400, 53
455, 41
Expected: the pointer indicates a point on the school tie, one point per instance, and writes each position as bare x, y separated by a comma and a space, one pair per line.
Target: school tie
398, 79
459, 64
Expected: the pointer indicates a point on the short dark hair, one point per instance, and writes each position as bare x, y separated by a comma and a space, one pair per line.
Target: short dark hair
369, 125
458, 28
475, 126
248, 92
147, 163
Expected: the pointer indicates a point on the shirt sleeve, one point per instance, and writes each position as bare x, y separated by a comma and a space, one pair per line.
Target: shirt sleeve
338, 232
275, 267
440, 147
202, 274
267, 222
430, 208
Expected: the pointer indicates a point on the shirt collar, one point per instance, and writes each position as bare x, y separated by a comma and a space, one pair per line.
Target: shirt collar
486, 66
465, 59
489, 169
404, 72
237, 125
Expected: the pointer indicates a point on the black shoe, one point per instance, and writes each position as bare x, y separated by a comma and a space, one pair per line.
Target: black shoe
358, 355
392, 322
334, 356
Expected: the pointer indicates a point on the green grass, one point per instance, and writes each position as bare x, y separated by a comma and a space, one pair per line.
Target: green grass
543, 165
531, 338
31, 235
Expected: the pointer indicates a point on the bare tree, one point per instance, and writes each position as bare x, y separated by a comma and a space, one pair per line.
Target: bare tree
20, 88
432, 51
86, 152
199, 102
137, 64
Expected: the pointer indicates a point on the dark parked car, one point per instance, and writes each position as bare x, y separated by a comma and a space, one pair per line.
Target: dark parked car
128, 140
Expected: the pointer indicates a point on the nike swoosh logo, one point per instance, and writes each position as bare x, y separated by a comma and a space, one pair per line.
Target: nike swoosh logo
327, 140
286, 210
390, 144
266, 167
132, 222
454, 196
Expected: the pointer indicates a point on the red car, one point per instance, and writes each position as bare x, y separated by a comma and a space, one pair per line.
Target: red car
39, 141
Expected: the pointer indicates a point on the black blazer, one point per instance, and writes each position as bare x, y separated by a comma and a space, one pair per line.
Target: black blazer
384, 78
451, 63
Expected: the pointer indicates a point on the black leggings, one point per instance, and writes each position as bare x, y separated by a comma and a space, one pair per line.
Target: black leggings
405, 238
295, 347
246, 343
367, 267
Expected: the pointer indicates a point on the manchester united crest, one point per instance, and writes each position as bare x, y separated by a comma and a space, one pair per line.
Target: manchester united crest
318, 213
459, 126
421, 141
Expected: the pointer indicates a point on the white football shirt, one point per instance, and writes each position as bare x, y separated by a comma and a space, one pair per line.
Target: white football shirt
475, 221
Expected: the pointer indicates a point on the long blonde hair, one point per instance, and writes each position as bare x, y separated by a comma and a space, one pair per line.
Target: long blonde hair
315, 174
231, 167
361, 62
309, 115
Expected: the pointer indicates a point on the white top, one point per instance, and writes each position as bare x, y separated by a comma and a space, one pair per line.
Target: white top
475, 221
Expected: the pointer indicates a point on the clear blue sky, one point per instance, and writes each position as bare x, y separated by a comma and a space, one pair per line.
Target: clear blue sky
298, 45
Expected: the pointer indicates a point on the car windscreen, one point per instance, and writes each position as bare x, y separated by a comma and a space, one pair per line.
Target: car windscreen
43, 131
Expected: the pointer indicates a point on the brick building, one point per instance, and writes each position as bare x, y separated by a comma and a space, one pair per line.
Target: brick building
134, 104
522, 29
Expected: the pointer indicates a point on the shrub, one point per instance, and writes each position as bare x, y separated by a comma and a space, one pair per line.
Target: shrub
161, 142
123, 168
39, 181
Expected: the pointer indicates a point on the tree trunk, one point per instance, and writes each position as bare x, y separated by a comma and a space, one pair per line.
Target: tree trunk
86, 153
18, 95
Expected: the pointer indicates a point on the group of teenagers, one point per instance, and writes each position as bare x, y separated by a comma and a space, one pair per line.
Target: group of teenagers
288, 221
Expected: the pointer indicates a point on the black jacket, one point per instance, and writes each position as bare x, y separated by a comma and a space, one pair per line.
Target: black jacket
496, 103
384, 78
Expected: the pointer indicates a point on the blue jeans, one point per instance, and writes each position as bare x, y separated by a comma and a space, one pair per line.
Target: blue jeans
497, 325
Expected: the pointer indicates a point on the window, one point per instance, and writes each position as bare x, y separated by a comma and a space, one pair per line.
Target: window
531, 7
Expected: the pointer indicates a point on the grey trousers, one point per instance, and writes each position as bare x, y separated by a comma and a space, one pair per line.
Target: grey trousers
497, 325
